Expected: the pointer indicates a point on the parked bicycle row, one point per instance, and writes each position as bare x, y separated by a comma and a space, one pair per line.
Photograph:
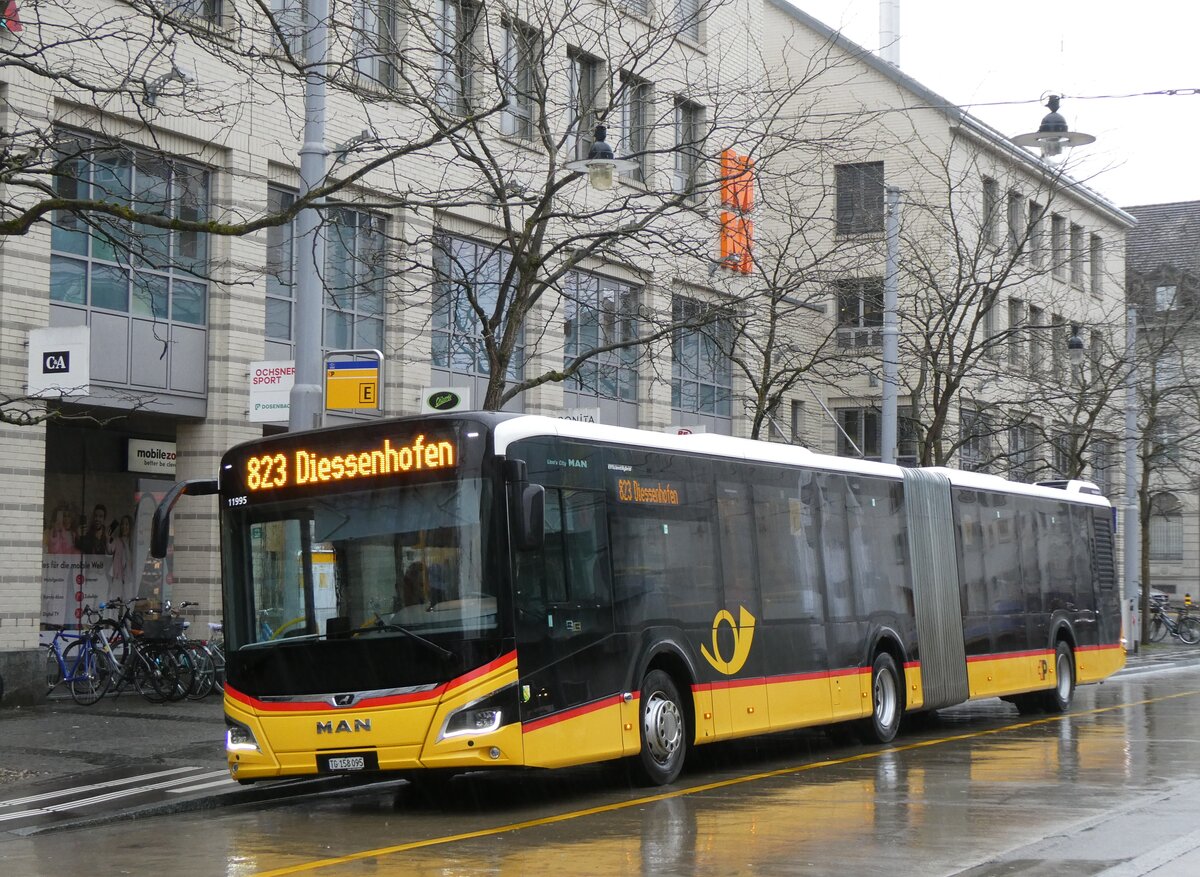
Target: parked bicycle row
124, 645
1184, 626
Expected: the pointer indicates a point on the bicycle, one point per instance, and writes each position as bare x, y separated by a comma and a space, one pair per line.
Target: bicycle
81, 664
1185, 627
151, 664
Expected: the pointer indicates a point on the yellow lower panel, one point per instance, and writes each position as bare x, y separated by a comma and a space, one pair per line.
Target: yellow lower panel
748, 710
996, 677
1092, 665
914, 691
798, 703
594, 735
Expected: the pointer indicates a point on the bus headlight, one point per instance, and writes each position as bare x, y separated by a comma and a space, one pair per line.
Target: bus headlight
484, 715
239, 737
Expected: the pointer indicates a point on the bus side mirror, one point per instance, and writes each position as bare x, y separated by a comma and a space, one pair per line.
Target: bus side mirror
160, 529
526, 507
531, 524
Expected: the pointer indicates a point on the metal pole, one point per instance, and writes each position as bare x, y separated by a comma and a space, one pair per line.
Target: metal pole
891, 330
305, 399
1131, 530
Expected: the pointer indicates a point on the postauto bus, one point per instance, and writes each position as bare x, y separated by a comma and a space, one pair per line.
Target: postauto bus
453, 592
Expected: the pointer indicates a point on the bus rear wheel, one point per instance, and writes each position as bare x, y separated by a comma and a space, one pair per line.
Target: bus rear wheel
663, 730
1058, 698
887, 700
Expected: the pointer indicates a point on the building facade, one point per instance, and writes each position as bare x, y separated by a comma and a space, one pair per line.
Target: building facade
457, 242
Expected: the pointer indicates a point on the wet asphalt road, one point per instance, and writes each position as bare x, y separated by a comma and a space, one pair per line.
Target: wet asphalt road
979, 791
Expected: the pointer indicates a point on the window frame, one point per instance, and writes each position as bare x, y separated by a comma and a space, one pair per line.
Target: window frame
860, 196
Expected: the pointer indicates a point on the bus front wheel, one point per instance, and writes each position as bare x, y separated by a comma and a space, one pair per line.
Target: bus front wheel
663, 730
887, 702
1058, 698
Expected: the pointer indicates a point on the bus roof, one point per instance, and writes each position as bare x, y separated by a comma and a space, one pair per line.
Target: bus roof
522, 426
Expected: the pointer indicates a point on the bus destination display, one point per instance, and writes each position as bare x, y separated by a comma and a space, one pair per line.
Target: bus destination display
299, 467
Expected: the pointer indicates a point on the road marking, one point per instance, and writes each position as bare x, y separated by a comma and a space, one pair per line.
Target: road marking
102, 799
221, 782
123, 781
317, 864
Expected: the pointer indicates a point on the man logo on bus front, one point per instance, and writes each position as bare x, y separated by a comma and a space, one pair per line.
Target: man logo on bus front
743, 636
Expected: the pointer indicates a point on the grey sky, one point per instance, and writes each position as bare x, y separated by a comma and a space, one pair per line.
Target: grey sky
975, 53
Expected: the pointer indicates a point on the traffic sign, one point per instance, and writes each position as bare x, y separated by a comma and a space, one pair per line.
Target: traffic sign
352, 383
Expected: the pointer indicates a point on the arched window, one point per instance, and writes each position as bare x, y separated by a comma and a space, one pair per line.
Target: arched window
1166, 527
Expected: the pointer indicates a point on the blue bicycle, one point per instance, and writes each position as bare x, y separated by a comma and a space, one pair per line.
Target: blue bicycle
78, 659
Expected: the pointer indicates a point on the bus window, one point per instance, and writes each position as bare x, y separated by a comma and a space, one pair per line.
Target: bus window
880, 543
834, 542
278, 570
737, 545
576, 548
1060, 577
1081, 556
787, 562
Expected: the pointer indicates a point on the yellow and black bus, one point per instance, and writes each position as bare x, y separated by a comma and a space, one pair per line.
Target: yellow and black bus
460, 591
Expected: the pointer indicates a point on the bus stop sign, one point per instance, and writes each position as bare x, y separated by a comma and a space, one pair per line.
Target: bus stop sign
352, 383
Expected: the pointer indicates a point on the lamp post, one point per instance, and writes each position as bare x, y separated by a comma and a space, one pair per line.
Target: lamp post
891, 333
1131, 529
305, 400
1053, 136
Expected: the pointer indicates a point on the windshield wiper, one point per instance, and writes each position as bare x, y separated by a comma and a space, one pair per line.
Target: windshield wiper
380, 625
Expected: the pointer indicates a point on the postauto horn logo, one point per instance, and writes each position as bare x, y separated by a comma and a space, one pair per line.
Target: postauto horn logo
743, 636
443, 400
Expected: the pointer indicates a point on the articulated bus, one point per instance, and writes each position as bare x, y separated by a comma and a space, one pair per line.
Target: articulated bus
453, 592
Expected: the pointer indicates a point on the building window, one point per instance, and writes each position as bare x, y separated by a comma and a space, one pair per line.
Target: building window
701, 371
1022, 463
991, 211
1164, 445
988, 328
585, 76
354, 280
1058, 245
1037, 326
1016, 333
977, 434
1077, 256
1056, 346
689, 142
1164, 298
1096, 260
860, 312
521, 62
1166, 527
687, 19
1016, 215
1102, 465
797, 422
454, 36
864, 428
376, 46
467, 277
289, 30
281, 264
860, 193
634, 111
602, 312
1037, 233
109, 264
1065, 445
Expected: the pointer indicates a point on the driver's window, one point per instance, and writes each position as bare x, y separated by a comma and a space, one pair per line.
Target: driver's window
278, 575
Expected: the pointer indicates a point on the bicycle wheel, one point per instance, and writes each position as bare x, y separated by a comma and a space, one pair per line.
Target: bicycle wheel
1158, 630
87, 672
1189, 630
54, 673
152, 679
185, 670
202, 661
114, 634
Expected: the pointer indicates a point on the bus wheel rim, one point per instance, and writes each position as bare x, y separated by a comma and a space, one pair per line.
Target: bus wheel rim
1064, 677
885, 699
661, 726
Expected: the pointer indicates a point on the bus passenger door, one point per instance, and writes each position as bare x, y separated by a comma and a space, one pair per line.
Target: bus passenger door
570, 673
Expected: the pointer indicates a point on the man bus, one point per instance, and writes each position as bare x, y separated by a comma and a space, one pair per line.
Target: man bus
460, 591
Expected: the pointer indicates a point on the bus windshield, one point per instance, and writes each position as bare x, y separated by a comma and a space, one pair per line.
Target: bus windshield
393, 562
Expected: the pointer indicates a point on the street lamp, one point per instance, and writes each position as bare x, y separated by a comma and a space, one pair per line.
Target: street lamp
601, 164
1052, 136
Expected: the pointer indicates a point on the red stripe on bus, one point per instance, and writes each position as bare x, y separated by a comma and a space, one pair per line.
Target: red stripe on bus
545, 721
509, 657
433, 694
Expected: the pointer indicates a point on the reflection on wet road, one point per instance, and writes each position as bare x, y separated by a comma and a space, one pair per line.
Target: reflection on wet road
974, 791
